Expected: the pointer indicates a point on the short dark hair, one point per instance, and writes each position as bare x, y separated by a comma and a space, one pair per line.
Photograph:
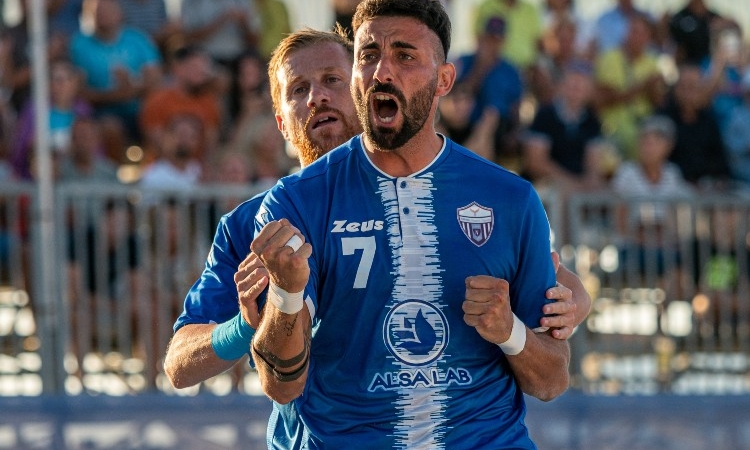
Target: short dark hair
429, 12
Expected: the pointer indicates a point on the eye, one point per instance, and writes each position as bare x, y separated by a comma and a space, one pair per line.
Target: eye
367, 57
298, 90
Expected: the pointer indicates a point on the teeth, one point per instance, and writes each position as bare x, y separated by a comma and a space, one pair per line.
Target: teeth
386, 119
381, 97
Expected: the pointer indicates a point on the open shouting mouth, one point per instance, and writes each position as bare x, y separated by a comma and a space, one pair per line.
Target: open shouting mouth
385, 107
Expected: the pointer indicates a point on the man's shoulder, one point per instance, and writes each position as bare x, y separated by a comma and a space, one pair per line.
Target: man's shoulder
80, 41
131, 36
506, 68
243, 215
162, 98
329, 162
478, 165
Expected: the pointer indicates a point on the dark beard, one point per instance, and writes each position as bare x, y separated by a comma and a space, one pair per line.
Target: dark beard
415, 114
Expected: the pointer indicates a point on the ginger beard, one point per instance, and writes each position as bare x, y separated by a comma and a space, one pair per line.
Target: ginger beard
311, 146
415, 113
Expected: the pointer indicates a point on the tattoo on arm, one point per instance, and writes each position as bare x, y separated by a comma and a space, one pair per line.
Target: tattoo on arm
289, 326
274, 363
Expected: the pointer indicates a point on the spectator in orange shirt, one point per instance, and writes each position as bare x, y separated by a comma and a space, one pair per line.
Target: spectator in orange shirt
191, 90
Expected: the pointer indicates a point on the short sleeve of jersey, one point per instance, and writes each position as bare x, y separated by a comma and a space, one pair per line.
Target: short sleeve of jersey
535, 272
213, 297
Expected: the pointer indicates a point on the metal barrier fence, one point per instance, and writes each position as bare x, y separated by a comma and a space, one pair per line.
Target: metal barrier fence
126, 259
669, 281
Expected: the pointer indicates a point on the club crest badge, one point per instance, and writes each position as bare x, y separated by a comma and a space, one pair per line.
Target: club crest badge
416, 332
477, 222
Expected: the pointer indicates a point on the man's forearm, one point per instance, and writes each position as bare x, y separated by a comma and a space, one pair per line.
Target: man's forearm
281, 350
581, 297
191, 359
541, 369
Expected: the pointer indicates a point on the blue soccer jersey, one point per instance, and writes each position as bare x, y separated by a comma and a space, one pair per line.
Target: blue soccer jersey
393, 364
213, 297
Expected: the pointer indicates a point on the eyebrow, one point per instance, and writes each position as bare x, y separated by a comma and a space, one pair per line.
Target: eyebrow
402, 44
395, 44
305, 76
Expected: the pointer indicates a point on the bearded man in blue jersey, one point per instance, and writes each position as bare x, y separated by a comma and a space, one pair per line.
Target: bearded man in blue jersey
214, 299
407, 274
197, 350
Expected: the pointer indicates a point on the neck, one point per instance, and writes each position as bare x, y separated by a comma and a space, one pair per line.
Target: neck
571, 110
652, 172
107, 34
414, 156
83, 163
632, 53
63, 104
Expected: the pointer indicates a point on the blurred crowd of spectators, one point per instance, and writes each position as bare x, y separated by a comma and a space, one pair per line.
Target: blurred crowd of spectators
142, 97
574, 103
577, 104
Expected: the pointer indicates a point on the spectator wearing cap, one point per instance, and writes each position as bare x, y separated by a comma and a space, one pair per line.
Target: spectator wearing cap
496, 87
524, 29
652, 175
737, 136
646, 223
561, 144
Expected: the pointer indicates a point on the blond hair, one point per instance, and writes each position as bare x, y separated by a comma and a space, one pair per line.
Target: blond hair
297, 41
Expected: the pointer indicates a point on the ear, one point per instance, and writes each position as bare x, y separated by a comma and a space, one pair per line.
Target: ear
281, 127
446, 78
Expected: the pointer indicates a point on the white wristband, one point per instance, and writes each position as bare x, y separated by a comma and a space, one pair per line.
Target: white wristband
286, 302
517, 340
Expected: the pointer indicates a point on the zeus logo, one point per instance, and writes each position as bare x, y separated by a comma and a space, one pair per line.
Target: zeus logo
342, 226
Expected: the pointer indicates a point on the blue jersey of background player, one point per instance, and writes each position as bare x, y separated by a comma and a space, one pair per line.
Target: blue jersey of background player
389, 314
233, 276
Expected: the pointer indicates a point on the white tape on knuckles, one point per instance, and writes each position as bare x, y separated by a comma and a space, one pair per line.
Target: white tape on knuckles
294, 242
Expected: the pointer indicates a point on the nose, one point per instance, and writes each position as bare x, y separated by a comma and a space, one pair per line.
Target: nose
319, 95
383, 72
